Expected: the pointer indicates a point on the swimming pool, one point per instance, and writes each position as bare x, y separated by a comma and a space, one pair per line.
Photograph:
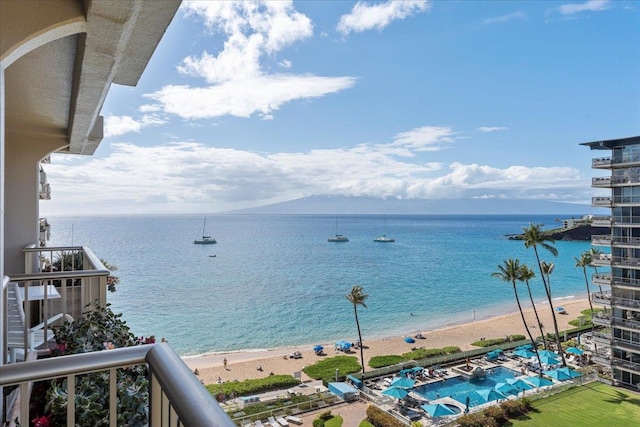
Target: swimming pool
459, 388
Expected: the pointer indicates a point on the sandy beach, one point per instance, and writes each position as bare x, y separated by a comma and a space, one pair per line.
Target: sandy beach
243, 365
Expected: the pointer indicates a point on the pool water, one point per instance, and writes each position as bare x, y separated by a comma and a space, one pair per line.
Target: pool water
459, 388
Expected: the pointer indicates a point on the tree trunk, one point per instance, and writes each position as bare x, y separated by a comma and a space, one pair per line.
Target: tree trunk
355, 310
535, 310
526, 327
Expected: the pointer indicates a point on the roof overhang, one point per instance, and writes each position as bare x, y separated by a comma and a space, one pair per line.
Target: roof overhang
612, 143
55, 90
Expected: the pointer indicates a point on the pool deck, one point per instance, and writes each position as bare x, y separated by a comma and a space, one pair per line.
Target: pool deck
409, 408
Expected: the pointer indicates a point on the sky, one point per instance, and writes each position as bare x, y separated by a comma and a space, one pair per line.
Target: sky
248, 103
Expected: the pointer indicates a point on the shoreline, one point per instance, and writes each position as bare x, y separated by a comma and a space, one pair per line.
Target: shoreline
243, 364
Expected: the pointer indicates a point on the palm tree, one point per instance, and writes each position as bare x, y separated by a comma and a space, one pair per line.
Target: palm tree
534, 237
595, 253
527, 274
358, 297
510, 271
547, 268
585, 260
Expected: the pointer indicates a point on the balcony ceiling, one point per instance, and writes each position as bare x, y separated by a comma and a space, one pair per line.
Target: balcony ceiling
54, 93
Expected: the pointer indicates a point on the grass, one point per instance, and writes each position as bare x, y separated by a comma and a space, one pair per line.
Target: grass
326, 369
365, 423
335, 421
592, 405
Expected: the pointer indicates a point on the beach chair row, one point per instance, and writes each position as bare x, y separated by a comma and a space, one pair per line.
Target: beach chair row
278, 421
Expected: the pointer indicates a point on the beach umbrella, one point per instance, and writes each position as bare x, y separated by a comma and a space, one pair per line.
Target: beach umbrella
404, 372
417, 369
527, 354
409, 340
506, 388
570, 372
548, 360
397, 392
559, 375
318, 348
489, 394
547, 353
537, 381
403, 382
574, 350
525, 347
437, 410
519, 383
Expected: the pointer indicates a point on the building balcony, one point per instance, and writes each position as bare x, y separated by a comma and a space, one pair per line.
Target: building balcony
602, 202
45, 192
625, 282
601, 163
601, 221
601, 260
626, 303
176, 396
45, 231
625, 221
69, 281
601, 358
600, 318
601, 279
602, 337
609, 181
627, 345
626, 365
629, 324
601, 239
601, 298
628, 242
625, 262
601, 181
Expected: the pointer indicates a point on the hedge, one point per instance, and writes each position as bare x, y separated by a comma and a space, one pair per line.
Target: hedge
326, 369
380, 418
382, 361
249, 387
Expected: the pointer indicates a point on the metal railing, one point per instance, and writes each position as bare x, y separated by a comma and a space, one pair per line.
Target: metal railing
625, 323
626, 364
177, 398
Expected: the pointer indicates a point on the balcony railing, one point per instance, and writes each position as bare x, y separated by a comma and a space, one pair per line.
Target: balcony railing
625, 220
602, 338
602, 298
631, 303
626, 344
625, 261
626, 365
601, 202
602, 260
625, 241
601, 221
601, 279
601, 162
600, 318
620, 322
601, 239
176, 396
626, 281
601, 359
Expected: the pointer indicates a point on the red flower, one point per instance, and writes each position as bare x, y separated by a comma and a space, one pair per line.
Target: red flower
40, 422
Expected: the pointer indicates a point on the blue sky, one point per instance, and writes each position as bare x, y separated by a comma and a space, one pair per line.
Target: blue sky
249, 103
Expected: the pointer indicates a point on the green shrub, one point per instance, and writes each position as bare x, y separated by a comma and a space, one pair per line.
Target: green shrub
495, 341
451, 349
318, 422
423, 353
249, 387
326, 369
477, 419
335, 421
325, 415
365, 423
380, 418
382, 361
99, 329
497, 413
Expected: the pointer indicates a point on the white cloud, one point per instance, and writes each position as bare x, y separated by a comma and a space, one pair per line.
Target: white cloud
261, 94
120, 125
192, 177
366, 16
491, 128
504, 18
589, 6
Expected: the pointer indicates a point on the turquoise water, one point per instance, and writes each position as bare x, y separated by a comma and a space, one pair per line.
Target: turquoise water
276, 281
459, 388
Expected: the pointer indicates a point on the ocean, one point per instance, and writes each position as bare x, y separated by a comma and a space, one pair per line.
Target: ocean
275, 281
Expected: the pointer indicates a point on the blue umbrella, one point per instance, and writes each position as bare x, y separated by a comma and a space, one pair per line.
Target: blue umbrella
523, 352
409, 340
519, 383
437, 410
506, 388
570, 372
417, 369
489, 394
547, 353
537, 381
403, 382
397, 392
525, 347
404, 372
559, 375
318, 348
574, 350
548, 360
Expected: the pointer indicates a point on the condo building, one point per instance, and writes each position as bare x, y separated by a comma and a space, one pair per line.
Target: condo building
617, 345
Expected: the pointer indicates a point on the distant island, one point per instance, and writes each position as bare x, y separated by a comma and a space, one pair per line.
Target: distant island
572, 229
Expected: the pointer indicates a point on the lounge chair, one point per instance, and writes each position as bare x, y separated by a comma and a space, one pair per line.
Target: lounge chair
273, 422
294, 419
282, 421
259, 423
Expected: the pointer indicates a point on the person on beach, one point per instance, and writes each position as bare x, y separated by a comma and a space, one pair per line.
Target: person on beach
224, 362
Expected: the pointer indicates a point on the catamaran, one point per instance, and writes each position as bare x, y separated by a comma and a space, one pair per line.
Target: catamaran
338, 237
205, 240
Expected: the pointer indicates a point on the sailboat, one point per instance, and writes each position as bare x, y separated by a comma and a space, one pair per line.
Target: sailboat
206, 240
384, 238
338, 237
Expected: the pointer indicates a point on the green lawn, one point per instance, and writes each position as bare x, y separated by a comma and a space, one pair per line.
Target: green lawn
594, 404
